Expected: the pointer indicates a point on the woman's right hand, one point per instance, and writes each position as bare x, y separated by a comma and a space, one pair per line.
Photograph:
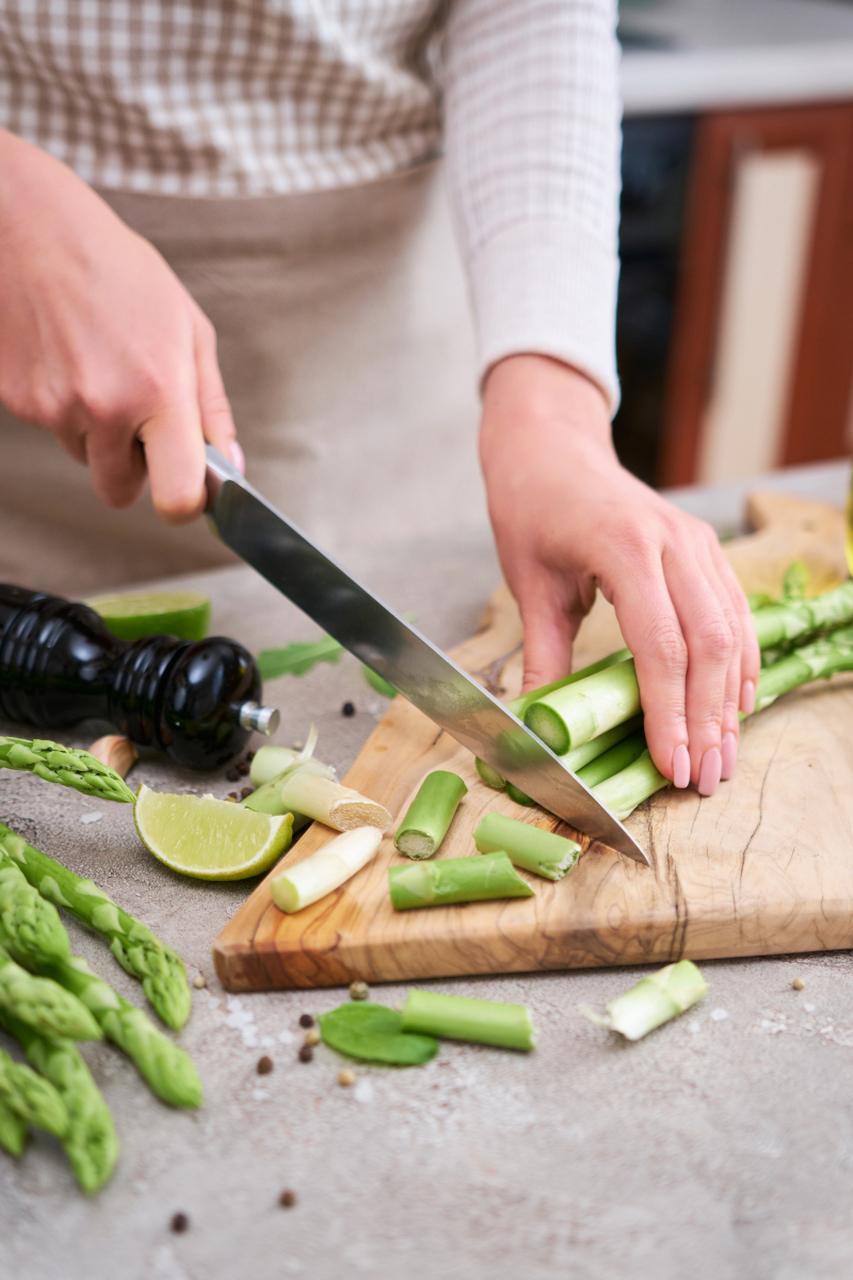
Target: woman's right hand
101, 344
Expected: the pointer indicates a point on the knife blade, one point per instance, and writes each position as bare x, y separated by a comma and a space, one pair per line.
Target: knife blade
397, 652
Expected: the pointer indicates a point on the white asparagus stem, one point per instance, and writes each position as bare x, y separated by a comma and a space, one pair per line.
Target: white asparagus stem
116, 751
326, 870
319, 797
654, 1000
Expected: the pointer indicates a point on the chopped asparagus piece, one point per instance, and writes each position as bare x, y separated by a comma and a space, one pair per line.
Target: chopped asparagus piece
449, 880
519, 705
571, 716
542, 852
307, 791
298, 886
624, 791
373, 1033
430, 814
490, 776
460, 1018
614, 760
654, 1000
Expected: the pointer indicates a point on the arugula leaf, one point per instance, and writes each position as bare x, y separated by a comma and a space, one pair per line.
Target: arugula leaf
376, 682
373, 1032
298, 658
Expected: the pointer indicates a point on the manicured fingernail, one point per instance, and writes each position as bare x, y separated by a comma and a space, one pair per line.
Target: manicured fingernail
681, 766
709, 773
235, 453
729, 755
747, 697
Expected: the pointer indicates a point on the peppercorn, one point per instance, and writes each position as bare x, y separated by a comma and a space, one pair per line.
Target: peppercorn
199, 981
245, 792
306, 1053
242, 768
798, 984
232, 775
346, 1078
180, 1223
306, 1020
358, 990
250, 755
348, 709
287, 1199
232, 796
312, 1037
265, 1065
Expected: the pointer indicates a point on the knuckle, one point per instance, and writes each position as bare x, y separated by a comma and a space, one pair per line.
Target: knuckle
715, 642
667, 645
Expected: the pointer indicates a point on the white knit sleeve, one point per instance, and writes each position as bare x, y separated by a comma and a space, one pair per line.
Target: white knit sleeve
532, 142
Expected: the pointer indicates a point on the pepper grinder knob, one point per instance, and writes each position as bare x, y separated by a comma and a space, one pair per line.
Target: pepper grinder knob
261, 719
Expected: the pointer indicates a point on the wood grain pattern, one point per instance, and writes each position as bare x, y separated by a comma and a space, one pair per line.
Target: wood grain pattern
763, 867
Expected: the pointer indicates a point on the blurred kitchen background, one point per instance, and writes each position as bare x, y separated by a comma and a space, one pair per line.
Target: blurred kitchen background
735, 319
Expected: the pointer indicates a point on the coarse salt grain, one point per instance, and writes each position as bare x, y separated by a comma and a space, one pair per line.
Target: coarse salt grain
267, 1042
86, 818
260, 1095
363, 1091
694, 1027
285, 1037
809, 1008
718, 1015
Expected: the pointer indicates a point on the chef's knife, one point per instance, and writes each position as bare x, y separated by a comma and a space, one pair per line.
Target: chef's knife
397, 652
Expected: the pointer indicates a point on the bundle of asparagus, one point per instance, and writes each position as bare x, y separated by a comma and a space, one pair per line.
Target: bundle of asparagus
592, 718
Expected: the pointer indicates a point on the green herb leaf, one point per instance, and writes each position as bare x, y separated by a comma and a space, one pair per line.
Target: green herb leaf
376, 682
298, 658
373, 1032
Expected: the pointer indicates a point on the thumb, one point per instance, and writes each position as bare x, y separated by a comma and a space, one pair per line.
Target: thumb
548, 634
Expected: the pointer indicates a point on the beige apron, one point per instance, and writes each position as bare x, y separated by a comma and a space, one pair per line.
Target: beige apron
346, 349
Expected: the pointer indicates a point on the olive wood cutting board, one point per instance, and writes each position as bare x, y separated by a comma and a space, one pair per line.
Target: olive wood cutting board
764, 866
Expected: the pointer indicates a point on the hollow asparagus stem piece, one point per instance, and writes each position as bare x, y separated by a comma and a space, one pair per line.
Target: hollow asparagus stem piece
309, 792
449, 880
490, 776
160, 969
791, 621
66, 765
654, 1000
90, 1142
29, 925
268, 797
43, 1004
430, 814
460, 1018
624, 791
614, 760
13, 1130
167, 1068
821, 659
572, 716
27, 1094
326, 870
574, 760
519, 705
542, 852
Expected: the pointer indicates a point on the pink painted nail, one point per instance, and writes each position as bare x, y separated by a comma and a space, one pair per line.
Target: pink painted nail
710, 771
747, 697
680, 766
729, 755
236, 455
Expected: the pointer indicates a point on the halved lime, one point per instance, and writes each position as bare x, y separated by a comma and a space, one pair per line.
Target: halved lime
131, 615
208, 838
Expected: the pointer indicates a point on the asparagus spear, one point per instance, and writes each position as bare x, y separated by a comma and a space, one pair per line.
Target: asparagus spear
821, 659
29, 924
654, 1000
518, 706
542, 852
459, 1018
13, 1130
30, 1096
437, 884
792, 621
91, 1143
42, 1004
167, 1068
66, 765
614, 760
430, 814
572, 716
142, 954
624, 791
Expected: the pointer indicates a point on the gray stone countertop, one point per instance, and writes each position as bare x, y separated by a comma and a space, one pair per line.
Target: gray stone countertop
719, 1148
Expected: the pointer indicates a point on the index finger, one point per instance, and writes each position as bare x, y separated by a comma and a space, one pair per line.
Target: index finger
174, 455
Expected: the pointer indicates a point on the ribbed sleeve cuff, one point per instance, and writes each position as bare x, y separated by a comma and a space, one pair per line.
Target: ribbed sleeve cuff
547, 288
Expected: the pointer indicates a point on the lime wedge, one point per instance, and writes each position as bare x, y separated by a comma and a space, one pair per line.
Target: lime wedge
208, 838
134, 614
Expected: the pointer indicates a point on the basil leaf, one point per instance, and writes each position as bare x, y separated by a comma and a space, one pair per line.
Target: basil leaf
298, 658
373, 1032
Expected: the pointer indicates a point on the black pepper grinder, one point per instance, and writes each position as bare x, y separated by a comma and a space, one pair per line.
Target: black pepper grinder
197, 700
